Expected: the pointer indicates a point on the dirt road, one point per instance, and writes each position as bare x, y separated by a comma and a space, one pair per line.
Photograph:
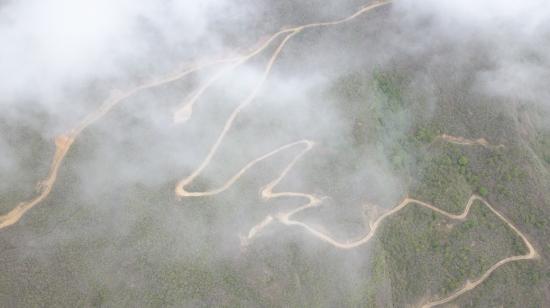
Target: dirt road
64, 142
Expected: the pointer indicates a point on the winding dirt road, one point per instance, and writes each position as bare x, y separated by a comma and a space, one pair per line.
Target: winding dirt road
285, 218
267, 192
64, 142
184, 113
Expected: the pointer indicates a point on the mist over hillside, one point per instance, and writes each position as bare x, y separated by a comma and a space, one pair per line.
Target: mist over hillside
287, 153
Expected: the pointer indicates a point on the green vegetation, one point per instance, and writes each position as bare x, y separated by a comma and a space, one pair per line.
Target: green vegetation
543, 146
418, 243
482, 191
443, 254
463, 161
426, 133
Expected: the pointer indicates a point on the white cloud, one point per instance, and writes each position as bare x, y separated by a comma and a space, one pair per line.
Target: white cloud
49, 45
527, 16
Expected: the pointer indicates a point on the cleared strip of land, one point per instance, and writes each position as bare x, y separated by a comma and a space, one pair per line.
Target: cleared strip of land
468, 142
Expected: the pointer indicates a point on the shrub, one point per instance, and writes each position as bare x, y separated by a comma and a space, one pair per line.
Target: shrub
482, 191
463, 161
